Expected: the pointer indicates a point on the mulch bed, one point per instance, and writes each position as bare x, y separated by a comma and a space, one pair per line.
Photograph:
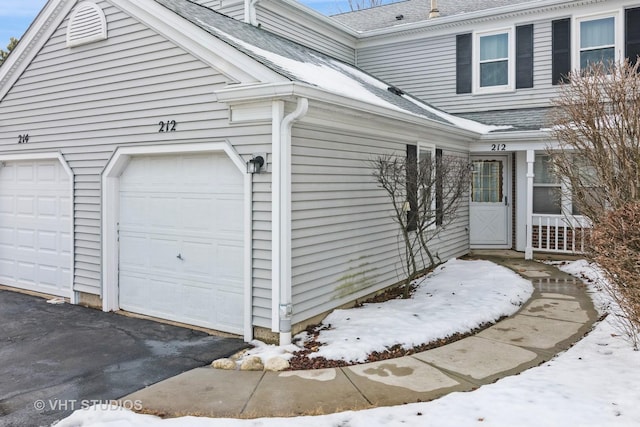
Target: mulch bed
302, 360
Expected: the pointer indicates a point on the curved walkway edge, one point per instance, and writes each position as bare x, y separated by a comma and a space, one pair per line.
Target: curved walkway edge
557, 315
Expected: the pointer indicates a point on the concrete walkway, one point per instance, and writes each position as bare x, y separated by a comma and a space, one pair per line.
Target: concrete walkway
558, 314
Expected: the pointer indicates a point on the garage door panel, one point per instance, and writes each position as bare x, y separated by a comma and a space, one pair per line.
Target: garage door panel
196, 213
133, 210
186, 206
133, 251
227, 314
199, 261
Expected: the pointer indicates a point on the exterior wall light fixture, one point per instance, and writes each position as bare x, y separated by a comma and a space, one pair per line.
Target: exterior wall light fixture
255, 164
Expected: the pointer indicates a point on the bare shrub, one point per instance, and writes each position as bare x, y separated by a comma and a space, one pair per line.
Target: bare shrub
596, 120
616, 248
425, 192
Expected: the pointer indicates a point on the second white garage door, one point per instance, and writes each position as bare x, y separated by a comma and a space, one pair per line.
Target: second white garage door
181, 240
35, 226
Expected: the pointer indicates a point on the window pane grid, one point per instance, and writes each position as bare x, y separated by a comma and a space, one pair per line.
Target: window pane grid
597, 41
494, 60
487, 181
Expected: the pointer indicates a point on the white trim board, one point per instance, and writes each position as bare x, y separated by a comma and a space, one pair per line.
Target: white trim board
110, 212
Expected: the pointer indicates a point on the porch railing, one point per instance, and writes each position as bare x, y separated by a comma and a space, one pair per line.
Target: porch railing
559, 233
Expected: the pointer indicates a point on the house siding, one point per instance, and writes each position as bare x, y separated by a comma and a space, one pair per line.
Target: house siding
426, 68
231, 8
87, 101
306, 35
345, 242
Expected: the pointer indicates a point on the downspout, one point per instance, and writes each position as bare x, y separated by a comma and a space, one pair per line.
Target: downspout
250, 16
281, 245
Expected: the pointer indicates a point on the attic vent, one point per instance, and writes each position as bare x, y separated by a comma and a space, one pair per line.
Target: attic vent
87, 24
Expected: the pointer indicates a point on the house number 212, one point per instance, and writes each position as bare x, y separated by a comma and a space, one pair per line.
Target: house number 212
498, 147
168, 126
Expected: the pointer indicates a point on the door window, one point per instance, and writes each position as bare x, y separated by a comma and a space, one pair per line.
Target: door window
486, 181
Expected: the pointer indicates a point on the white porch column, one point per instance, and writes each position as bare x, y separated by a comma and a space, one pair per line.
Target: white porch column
531, 158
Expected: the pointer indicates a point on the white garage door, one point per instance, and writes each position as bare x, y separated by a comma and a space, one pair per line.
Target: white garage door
181, 239
35, 226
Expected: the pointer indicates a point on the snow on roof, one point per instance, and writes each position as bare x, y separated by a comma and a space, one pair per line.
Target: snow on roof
302, 64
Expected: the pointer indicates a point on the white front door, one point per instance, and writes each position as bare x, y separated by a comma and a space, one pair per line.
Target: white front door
490, 205
35, 226
181, 239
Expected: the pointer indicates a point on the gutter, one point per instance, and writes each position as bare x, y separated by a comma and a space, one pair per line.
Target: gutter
250, 16
282, 304
288, 90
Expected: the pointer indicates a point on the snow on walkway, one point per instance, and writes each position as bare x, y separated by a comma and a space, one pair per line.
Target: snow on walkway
595, 383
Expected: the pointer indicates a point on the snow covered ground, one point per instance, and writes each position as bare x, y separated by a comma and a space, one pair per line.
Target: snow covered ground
595, 383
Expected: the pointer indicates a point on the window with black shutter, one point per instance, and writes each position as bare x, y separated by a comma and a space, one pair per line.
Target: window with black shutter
560, 50
412, 187
632, 34
524, 56
439, 188
463, 63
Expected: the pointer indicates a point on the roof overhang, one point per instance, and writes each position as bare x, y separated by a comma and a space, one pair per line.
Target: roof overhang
219, 55
239, 94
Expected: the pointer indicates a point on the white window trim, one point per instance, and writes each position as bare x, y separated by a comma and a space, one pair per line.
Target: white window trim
575, 31
511, 77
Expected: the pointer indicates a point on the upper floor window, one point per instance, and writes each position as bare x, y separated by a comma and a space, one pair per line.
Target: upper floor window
597, 41
494, 60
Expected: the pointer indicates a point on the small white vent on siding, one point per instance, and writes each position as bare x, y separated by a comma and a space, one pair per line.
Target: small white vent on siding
87, 24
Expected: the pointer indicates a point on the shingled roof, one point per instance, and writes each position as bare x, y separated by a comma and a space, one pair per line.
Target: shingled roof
302, 64
410, 11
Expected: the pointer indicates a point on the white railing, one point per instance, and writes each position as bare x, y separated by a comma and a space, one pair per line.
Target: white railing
559, 233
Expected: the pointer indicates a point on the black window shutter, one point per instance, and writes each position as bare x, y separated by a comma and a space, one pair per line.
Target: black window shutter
463, 63
632, 34
524, 56
412, 187
560, 50
439, 188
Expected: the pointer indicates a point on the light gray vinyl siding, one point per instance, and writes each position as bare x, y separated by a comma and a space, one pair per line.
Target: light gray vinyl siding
86, 101
232, 8
345, 243
426, 69
213, 4
305, 34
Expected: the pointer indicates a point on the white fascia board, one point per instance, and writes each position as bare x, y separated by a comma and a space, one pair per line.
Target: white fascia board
32, 41
515, 141
457, 23
289, 90
214, 52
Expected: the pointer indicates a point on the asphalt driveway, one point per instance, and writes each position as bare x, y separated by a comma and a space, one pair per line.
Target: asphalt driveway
58, 358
